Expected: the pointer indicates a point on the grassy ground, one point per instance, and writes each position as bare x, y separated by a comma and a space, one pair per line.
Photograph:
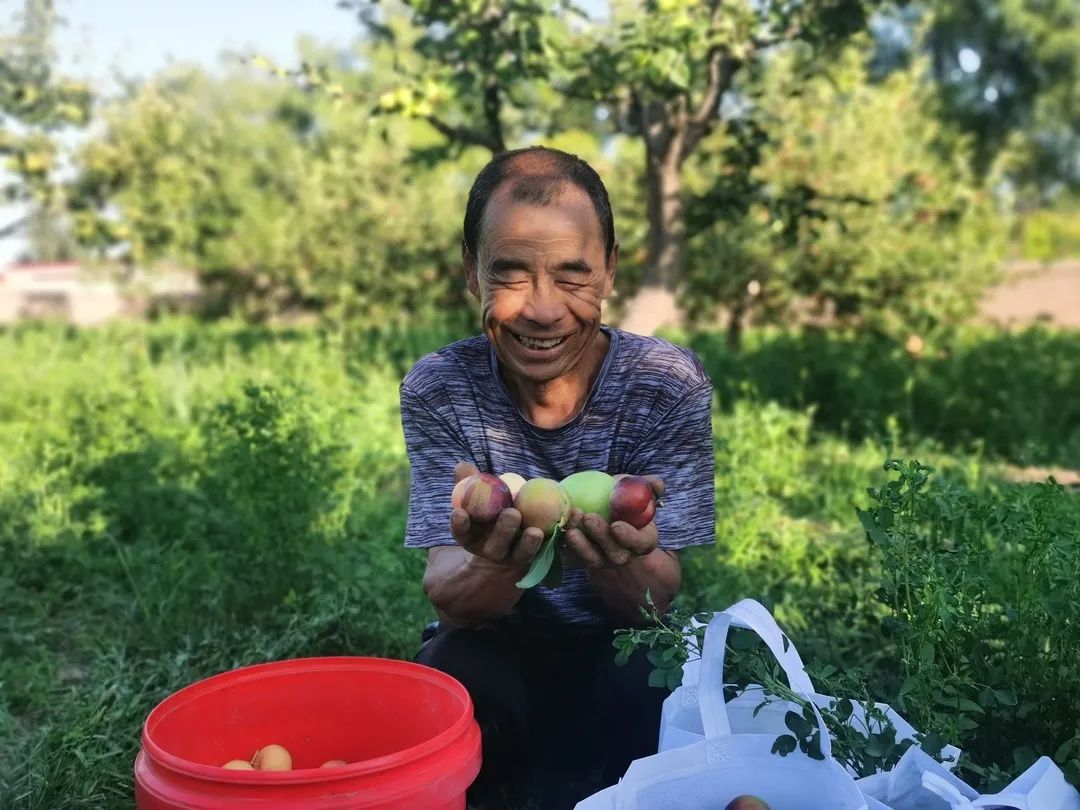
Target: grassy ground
176, 501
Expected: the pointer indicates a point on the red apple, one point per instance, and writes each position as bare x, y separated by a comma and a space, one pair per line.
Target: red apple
633, 501
484, 496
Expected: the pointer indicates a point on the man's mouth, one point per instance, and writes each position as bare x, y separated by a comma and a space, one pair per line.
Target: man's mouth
538, 344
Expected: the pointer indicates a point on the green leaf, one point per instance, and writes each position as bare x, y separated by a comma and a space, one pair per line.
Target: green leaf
540, 565
954, 702
932, 744
872, 529
658, 678
844, 709
743, 640
798, 724
674, 678
1024, 757
1006, 697
554, 576
926, 653
784, 745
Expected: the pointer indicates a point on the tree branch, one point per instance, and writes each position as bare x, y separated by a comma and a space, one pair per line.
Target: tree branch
714, 90
493, 116
793, 31
722, 68
466, 135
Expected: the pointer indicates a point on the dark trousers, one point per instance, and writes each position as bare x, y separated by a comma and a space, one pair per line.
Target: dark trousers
559, 719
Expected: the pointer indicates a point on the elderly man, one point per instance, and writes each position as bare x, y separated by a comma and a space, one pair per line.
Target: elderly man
547, 391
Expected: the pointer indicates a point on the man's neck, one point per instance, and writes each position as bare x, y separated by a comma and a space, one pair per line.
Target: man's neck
553, 403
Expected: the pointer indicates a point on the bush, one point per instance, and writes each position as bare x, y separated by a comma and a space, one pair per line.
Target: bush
177, 500
1010, 394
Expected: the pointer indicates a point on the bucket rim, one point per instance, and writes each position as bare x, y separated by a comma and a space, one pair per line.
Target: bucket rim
251, 672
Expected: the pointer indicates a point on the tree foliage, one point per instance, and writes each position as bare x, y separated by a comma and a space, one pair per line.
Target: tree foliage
34, 104
848, 197
283, 201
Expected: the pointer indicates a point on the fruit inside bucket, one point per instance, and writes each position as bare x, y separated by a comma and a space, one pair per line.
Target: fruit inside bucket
391, 721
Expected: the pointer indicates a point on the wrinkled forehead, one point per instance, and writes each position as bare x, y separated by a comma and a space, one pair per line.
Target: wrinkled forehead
540, 214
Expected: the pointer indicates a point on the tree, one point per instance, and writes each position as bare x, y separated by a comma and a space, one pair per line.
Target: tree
283, 201
34, 105
847, 198
1006, 72
1016, 94
660, 69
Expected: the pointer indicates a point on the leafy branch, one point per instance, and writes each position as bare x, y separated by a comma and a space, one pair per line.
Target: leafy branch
865, 742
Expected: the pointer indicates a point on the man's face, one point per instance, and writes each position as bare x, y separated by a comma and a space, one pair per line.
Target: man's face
541, 275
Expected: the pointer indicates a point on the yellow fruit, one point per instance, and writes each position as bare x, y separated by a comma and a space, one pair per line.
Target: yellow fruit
273, 758
238, 765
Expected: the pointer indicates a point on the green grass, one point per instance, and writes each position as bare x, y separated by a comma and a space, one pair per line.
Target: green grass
178, 500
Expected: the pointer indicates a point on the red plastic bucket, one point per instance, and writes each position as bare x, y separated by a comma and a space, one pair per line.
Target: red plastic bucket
406, 730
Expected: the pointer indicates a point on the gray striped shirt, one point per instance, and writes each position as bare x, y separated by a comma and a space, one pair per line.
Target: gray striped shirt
649, 413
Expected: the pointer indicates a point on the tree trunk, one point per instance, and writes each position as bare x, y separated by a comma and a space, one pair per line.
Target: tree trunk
735, 324
655, 306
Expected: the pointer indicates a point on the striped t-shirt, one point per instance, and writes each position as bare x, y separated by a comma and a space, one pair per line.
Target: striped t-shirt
649, 413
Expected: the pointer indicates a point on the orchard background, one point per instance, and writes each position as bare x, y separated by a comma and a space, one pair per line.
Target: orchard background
815, 196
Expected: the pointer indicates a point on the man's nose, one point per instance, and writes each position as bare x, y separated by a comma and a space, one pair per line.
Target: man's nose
546, 303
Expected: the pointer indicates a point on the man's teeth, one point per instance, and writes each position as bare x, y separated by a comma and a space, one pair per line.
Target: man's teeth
532, 343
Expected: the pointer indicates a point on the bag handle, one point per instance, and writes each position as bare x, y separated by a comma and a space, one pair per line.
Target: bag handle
752, 616
944, 790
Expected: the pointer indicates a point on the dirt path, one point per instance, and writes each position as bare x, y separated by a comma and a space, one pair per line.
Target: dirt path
1032, 291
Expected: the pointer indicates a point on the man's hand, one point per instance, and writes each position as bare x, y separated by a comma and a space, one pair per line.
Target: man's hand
501, 542
601, 545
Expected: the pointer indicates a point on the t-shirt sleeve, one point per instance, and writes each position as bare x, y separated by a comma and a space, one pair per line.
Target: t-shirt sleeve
680, 451
434, 448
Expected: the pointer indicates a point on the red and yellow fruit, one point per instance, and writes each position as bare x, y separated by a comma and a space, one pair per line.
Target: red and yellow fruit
514, 481
333, 763
483, 496
633, 501
543, 504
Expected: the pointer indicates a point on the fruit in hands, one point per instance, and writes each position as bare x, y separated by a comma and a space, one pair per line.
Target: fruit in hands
746, 802
272, 758
483, 496
514, 481
459, 491
238, 765
543, 504
590, 491
333, 763
633, 501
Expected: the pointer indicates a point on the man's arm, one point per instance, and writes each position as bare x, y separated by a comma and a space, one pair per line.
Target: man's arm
472, 569
467, 590
622, 588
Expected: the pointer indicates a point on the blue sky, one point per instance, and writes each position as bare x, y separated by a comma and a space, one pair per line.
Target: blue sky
139, 37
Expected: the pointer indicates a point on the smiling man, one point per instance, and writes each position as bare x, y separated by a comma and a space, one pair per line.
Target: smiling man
546, 391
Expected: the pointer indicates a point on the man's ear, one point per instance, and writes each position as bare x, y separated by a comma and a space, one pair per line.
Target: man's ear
468, 263
609, 270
